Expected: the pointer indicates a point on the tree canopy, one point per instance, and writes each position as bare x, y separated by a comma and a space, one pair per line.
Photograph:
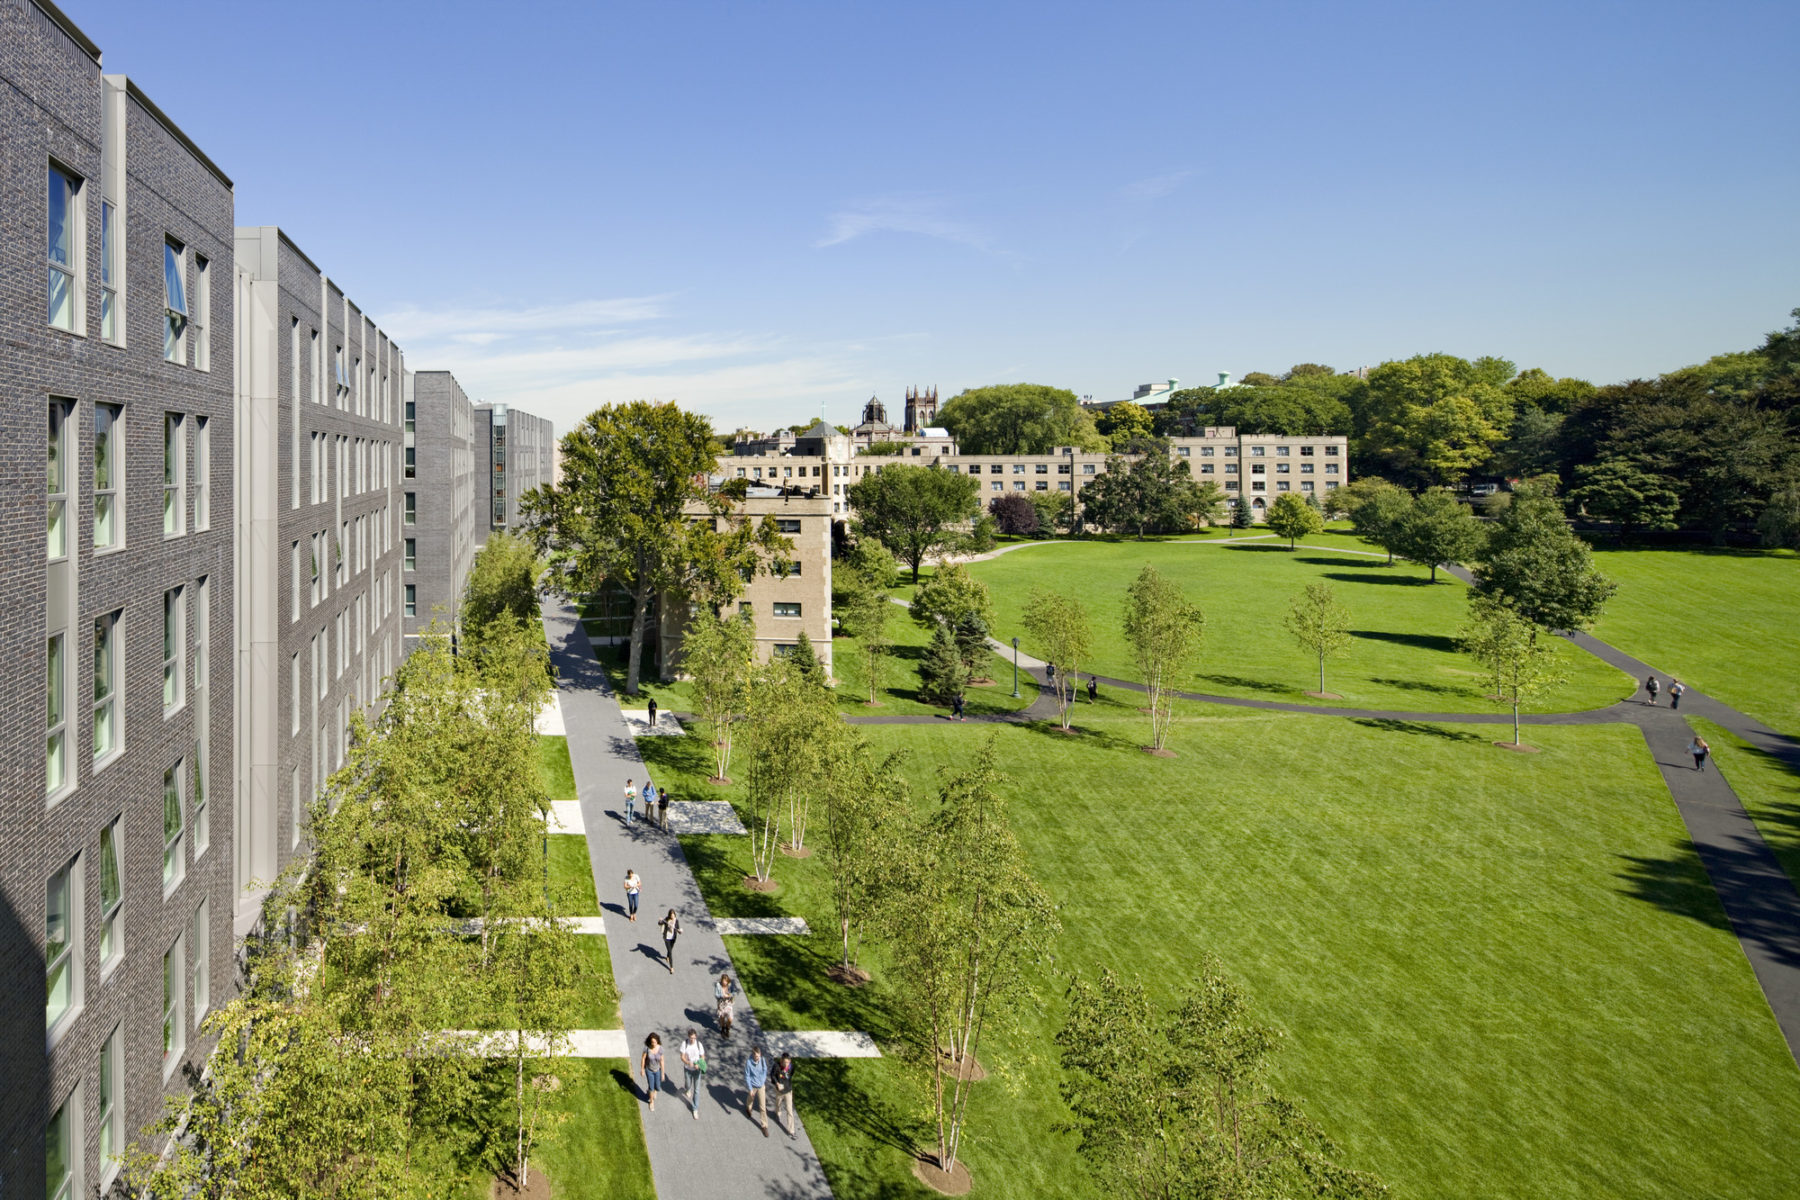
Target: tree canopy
916, 512
1018, 418
1537, 564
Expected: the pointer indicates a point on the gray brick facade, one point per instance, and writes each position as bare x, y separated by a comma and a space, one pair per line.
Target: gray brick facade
515, 452
447, 501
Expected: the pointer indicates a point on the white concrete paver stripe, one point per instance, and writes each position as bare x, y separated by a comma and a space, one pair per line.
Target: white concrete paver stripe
612, 1043
704, 816
784, 926
565, 817
583, 1043
820, 1043
550, 721
639, 720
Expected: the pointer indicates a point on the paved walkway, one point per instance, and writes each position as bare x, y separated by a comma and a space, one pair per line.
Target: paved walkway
1758, 897
723, 1155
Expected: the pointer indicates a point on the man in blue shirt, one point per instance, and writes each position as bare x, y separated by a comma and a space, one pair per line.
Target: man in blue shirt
756, 1078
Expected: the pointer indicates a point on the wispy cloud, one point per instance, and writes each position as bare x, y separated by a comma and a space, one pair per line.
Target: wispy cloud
925, 216
1155, 187
489, 322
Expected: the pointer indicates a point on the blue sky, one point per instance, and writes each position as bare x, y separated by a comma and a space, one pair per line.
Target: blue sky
758, 209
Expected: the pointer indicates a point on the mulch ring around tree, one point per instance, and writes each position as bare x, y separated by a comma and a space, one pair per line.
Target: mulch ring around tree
956, 1182
719, 780
1325, 695
971, 1070
793, 851
853, 977
760, 885
1165, 753
505, 1187
1517, 747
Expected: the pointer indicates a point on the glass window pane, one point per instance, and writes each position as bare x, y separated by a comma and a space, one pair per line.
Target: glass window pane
103, 521
61, 213
103, 440
62, 299
56, 946
106, 243
174, 293
109, 868
59, 1161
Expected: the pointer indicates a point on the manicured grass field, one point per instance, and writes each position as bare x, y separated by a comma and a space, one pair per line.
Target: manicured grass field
1769, 789
597, 1151
1501, 975
572, 876
1404, 655
553, 765
1725, 621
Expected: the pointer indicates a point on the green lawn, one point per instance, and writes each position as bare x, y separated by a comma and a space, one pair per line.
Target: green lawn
1404, 656
572, 876
899, 678
1502, 975
597, 1151
553, 765
1725, 621
1769, 788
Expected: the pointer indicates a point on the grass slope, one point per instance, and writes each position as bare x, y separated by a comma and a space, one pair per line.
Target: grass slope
1501, 975
1404, 655
1769, 788
1725, 621
597, 1151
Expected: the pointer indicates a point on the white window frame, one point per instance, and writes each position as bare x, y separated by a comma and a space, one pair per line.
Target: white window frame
106, 707
70, 960
112, 275
199, 971
294, 693
112, 924
58, 778
109, 497
60, 418
410, 509
71, 271
72, 1150
174, 826
409, 554
780, 605
110, 1114
201, 304
174, 642
409, 600
174, 474
175, 301
202, 473
174, 1027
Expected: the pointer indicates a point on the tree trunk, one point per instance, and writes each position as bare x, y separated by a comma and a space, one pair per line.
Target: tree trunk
1515, 709
1321, 673
640, 610
1434, 572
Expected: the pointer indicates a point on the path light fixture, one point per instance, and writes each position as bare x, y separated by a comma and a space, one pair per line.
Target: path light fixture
1015, 668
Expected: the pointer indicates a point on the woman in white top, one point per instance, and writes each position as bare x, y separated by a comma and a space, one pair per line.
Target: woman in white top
693, 1066
633, 885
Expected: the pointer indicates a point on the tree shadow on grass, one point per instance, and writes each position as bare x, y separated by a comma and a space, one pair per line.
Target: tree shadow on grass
1087, 737
689, 755
1415, 685
1239, 681
794, 969
1421, 641
1380, 578
1389, 725
1740, 878
719, 865
827, 1091
1319, 560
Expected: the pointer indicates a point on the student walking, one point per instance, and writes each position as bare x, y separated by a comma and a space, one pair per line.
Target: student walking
651, 1061
956, 708
1699, 749
784, 1094
1652, 686
1676, 689
649, 799
671, 929
631, 795
662, 809
633, 885
1093, 689
651, 725
723, 998
756, 1079
693, 1070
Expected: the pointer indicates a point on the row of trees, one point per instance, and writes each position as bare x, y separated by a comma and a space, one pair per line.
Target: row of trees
423, 910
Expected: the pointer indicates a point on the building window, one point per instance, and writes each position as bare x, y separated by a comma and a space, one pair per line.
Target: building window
1306, 485
1231, 468
1283, 451
1206, 452
412, 413
174, 1034
62, 1149
1258, 451
107, 734
174, 643
1259, 486
174, 451
788, 524
1186, 452
998, 486
65, 247
1231, 452
62, 944
342, 374
1305, 468
1018, 485
1283, 486
409, 468
1087, 468
1065, 486
175, 307
294, 580
1063, 468
202, 314
784, 609
1306, 451
1331, 468
1258, 469
786, 649
202, 963
108, 527
1043, 485
1206, 468
173, 865
198, 783
1330, 483
1283, 468
202, 473
410, 554
57, 471
1043, 468
1018, 468
294, 693
112, 898
410, 513
994, 469
411, 600
112, 1121
1330, 451
112, 325
55, 750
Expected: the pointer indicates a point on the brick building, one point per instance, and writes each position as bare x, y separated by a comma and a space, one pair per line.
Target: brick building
514, 451
447, 513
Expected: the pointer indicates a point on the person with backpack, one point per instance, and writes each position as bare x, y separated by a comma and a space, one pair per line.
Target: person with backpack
651, 1061
671, 929
783, 1080
1676, 690
756, 1079
956, 708
650, 726
1699, 749
1652, 686
649, 799
693, 1065
1093, 689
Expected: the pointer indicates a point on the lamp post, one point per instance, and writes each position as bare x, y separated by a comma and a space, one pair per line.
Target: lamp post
1015, 694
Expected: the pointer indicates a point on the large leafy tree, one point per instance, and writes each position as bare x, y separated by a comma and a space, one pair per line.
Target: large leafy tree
1164, 630
867, 823
1177, 1104
1433, 418
1120, 423
1293, 518
1377, 509
1018, 418
1779, 524
1507, 644
1541, 568
916, 512
631, 476
719, 655
1015, 514
1438, 528
1148, 494
1619, 490
1059, 629
861, 594
502, 579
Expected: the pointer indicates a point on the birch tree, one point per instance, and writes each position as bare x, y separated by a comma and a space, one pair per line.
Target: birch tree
867, 821
790, 733
719, 655
1058, 626
1165, 633
1524, 666
1321, 625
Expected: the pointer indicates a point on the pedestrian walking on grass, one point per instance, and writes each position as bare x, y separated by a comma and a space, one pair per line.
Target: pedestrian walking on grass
1676, 690
756, 1079
631, 795
724, 996
1093, 689
1652, 686
651, 1061
693, 1070
650, 725
783, 1082
956, 708
633, 885
1699, 749
671, 929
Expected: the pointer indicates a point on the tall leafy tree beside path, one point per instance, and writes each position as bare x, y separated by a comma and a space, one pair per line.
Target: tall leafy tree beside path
1059, 627
1523, 666
789, 736
1018, 418
867, 824
1293, 518
1322, 627
719, 655
502, 579
1179, 1104
1377, 509
1620, 490
1438, 528
1165, 632
958, 602
916, 512
1541, 568
629, 473
860, 594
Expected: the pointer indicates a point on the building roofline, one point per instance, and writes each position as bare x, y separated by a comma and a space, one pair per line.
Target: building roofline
162, 118
69, 27
291, 244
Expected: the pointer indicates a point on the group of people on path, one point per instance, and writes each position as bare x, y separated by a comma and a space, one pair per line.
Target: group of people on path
759, 1078
1653, 687
655, 802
